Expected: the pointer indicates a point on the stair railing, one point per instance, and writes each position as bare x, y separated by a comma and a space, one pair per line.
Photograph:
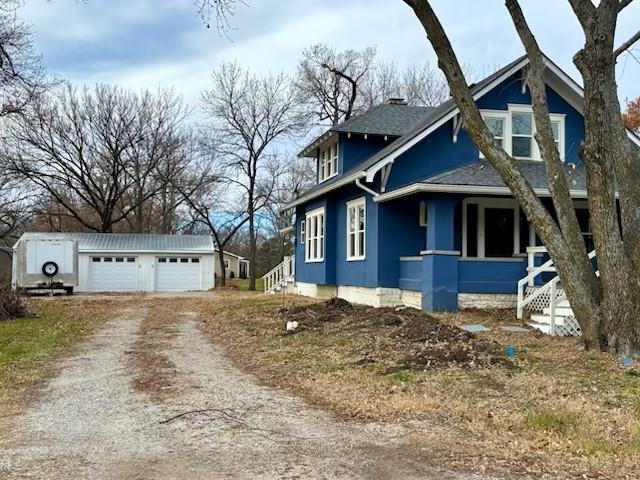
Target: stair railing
279, 275
550, 288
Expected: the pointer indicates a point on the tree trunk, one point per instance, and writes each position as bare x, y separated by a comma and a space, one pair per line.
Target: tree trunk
607, 308
252, 249
223, 270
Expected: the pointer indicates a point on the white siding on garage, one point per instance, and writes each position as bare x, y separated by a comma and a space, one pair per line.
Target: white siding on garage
178, 274
181, 277
113, 273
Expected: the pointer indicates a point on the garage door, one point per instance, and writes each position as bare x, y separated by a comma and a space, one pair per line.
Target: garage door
113, 274
178, 274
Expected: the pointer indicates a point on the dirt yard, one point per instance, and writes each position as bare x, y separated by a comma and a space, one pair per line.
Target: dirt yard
212, 387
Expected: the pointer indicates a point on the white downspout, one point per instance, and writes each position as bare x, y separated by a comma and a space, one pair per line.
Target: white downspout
373, 193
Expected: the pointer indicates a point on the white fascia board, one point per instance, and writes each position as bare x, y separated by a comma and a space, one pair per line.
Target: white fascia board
230, 254
317, 143
321, 191
472, 189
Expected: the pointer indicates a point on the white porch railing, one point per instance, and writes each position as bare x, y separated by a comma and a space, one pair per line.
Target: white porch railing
278, 277
549, 298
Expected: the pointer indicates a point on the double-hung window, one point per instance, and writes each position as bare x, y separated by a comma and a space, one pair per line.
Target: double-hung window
522, 134
328, 162
314, 248
515, 130
356, 220
496, 123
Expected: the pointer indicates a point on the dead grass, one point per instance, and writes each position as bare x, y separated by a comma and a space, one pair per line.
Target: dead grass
560, 411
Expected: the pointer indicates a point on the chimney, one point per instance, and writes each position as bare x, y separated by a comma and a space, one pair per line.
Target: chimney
396, 101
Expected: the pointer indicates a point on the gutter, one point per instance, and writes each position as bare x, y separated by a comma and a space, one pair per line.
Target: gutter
474, 189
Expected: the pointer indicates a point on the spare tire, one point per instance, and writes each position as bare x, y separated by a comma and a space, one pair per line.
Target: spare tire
50, 269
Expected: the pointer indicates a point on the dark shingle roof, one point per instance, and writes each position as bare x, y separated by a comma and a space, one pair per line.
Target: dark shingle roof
386, 119
483, 174
429, 119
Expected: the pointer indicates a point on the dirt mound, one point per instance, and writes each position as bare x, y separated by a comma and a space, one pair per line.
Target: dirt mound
403, 337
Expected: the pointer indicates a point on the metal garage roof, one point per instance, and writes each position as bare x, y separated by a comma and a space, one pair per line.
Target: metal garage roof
131, 242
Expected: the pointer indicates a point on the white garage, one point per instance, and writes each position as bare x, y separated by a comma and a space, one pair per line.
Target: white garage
119, 262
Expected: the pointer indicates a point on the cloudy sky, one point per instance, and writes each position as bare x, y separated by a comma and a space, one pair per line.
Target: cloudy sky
147, 43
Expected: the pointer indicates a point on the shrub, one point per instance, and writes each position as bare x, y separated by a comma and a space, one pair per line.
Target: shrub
11, 304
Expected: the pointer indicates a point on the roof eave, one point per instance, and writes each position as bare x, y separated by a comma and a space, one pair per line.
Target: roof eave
472, 189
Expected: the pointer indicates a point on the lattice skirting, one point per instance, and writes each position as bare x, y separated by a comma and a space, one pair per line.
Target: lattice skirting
542, 301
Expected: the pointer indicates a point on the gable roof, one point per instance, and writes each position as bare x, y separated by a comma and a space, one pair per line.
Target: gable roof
129, 242
436, 118
431, 118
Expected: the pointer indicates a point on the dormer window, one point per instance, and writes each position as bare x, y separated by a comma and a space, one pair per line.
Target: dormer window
515, 130
328, 162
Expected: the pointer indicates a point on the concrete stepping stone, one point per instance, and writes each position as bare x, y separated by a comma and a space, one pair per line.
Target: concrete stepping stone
475, 328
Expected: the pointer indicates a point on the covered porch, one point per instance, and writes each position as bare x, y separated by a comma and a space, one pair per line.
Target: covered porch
476, 249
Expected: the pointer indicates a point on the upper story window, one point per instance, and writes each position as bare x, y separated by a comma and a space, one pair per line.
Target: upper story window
314, 247
356, 220
522, 134
515, 128
328, 162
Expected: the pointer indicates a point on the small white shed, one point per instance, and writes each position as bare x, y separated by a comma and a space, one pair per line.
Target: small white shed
123, 262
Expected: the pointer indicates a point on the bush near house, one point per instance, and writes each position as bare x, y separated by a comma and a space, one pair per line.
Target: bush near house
11, 304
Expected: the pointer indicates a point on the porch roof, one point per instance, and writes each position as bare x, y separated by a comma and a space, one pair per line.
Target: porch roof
481, 178
482, 173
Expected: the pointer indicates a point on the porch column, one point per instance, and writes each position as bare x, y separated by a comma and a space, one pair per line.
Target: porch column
440, 259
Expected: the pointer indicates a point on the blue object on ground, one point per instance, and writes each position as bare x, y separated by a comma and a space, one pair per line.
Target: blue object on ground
511, 351
627, 361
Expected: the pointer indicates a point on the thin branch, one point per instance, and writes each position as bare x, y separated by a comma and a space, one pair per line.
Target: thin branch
626, 45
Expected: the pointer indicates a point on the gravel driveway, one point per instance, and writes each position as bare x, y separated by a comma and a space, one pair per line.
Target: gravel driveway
139, 402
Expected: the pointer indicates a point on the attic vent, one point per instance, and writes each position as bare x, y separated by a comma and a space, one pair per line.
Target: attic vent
396, 101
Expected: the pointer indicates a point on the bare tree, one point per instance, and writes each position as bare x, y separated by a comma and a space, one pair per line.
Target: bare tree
90, 150
16, 210
22, 77
210, 206
249, 115
606, 306
329, 82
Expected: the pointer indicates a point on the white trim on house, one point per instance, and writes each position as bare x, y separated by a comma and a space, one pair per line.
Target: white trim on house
559, 81
328, 161
359, 249
477, 189
507, 129
314, 248
483, 204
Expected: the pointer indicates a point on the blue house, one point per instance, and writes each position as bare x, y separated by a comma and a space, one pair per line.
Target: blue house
407, 212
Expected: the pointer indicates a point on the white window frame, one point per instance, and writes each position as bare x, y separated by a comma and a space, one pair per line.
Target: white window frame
354, 207
328, 161
508, 129
303, 229
314, 246
482, 204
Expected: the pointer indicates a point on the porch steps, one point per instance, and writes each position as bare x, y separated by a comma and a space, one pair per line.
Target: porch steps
565, 322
